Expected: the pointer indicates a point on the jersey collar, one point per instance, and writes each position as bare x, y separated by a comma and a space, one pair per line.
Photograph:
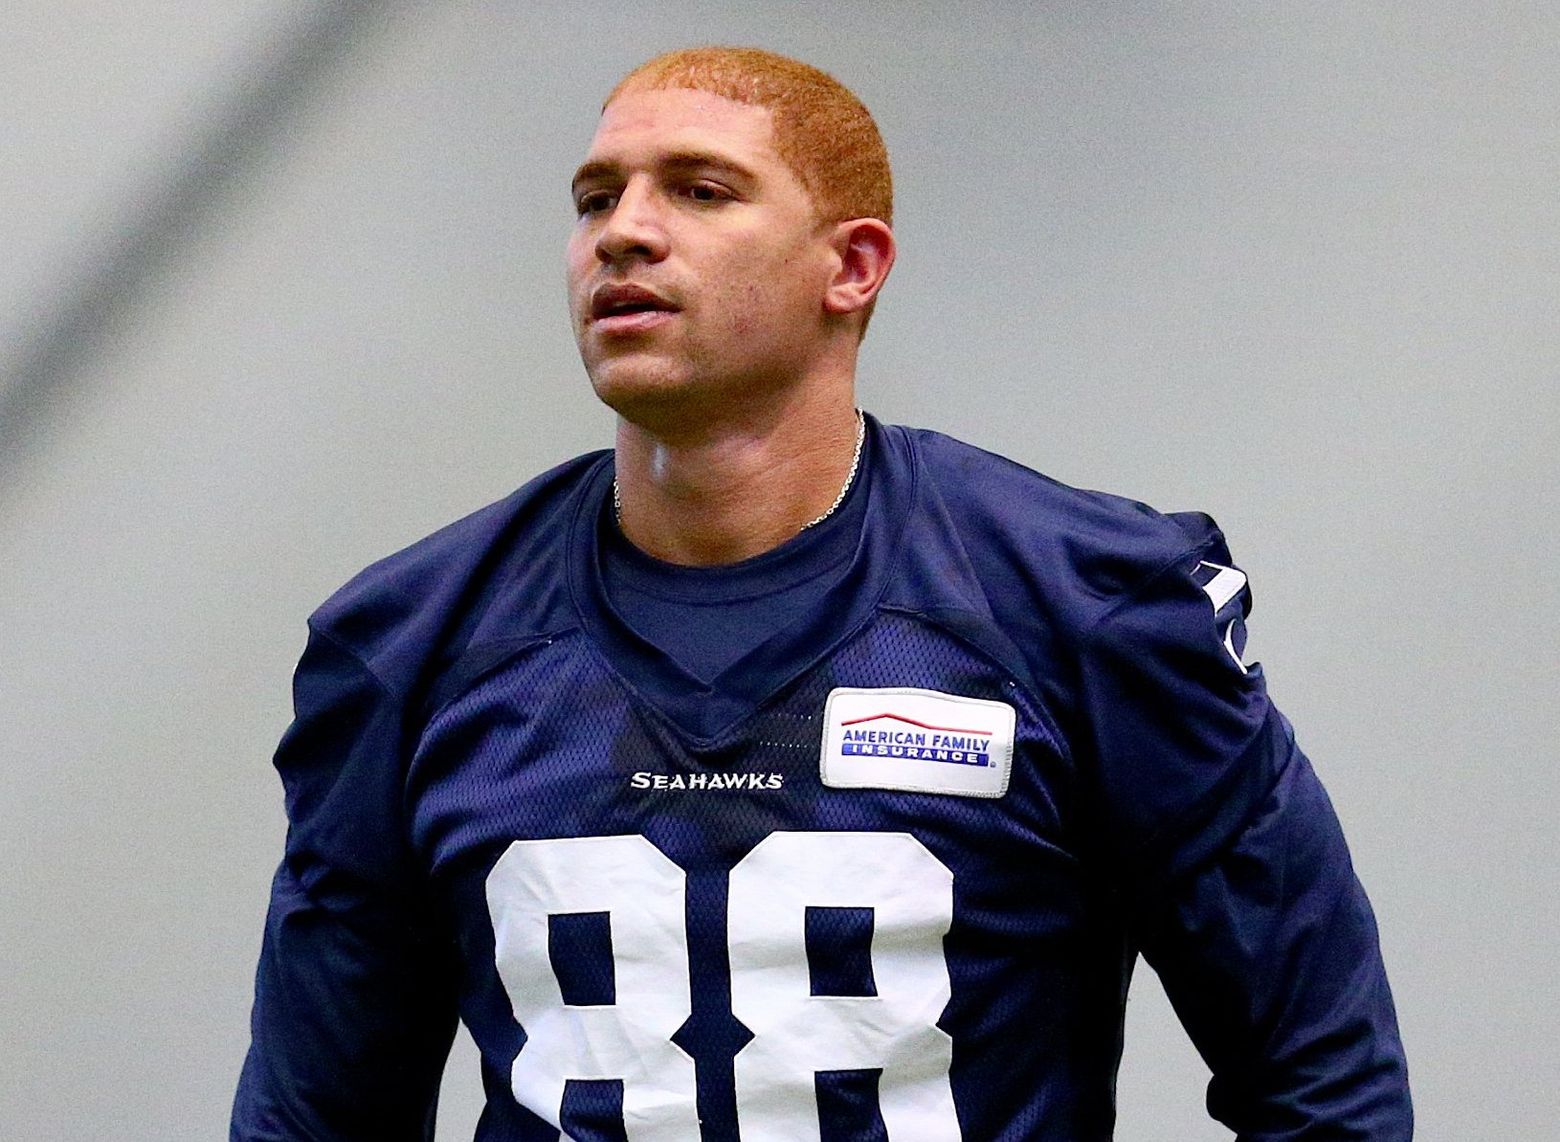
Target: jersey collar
708, 715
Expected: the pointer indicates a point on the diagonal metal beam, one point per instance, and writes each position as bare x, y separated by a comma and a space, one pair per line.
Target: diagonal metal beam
52, 355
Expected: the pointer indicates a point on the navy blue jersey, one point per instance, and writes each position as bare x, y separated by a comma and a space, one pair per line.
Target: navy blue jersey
885, 875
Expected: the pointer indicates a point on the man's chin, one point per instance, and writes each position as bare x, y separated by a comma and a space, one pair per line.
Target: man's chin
642, 396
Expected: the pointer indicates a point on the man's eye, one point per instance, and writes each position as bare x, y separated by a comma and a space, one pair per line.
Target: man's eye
706, 192
594, 202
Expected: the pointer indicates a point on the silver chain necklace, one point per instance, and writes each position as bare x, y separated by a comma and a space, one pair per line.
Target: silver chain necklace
850, 478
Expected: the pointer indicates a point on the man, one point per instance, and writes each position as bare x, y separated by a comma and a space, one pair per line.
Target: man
781, 774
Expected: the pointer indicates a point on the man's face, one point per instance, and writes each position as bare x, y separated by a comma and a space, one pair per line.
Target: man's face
697, 268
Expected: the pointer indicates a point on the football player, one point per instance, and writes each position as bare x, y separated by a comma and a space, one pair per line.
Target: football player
780, 774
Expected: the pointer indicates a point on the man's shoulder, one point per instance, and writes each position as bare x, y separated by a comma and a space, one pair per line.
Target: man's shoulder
1085, 550
414, 594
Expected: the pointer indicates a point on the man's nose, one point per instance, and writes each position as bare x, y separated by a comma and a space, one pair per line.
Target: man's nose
634, 227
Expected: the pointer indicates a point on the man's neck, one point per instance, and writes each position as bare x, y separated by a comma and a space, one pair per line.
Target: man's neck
734, 490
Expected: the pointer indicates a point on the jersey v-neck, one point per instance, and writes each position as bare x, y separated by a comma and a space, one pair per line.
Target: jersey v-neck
843, 569
706, 618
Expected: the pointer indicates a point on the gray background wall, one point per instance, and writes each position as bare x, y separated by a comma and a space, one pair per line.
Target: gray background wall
282, 291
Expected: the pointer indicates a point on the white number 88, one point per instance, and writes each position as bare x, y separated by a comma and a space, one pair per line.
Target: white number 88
795, 1034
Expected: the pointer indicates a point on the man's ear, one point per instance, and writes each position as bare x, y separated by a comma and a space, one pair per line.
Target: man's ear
865, 249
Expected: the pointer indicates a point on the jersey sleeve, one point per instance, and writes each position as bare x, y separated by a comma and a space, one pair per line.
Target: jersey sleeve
1180, 731
1269, 955
1233, 867
355, 992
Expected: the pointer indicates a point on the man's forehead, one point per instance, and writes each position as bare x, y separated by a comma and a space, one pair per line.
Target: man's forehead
680, 119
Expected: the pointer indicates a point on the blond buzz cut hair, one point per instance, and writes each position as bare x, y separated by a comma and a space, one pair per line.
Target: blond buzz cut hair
821, 130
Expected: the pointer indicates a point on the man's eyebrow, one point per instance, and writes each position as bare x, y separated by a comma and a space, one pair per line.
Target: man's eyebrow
706, 160
593, 171
598, 170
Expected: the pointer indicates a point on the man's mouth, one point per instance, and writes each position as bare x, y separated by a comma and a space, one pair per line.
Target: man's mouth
627, 306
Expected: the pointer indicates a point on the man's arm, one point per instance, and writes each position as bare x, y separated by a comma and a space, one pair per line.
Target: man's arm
353, 1018
355, 992
1238, 884
1270, 957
